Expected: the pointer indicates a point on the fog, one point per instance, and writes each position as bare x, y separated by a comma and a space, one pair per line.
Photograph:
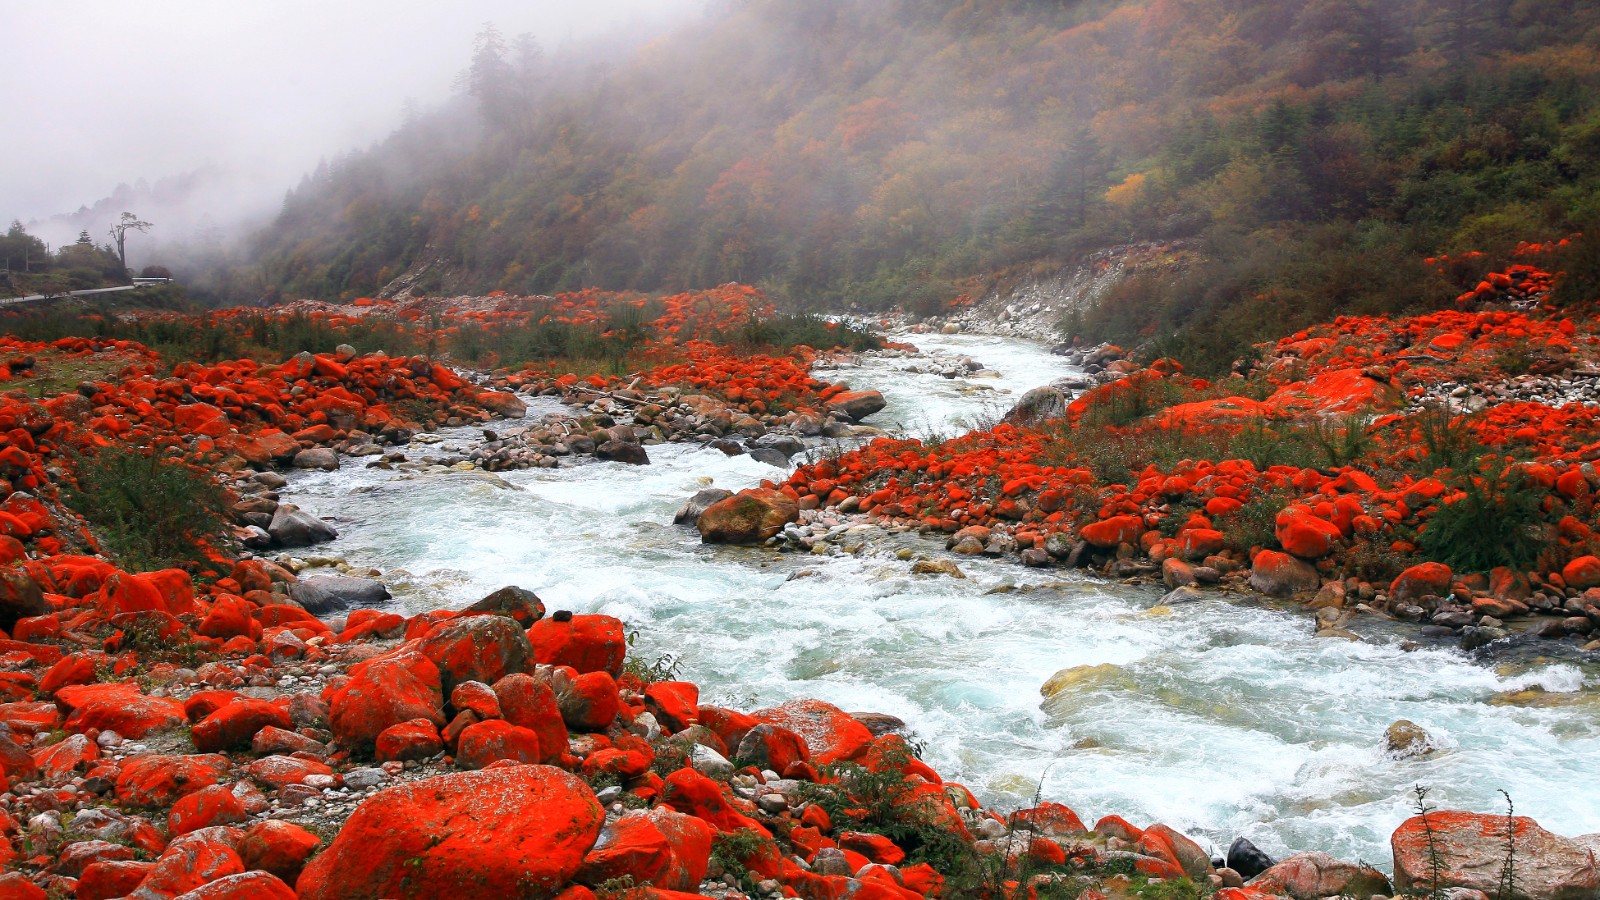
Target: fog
250, 96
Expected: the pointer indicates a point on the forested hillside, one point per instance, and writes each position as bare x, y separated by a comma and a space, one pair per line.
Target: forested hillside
1300, 157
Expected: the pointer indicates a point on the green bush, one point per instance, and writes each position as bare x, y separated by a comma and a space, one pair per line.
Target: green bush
147, 510
1497, 522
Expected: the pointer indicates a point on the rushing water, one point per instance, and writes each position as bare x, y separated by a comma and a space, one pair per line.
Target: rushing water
1217, 718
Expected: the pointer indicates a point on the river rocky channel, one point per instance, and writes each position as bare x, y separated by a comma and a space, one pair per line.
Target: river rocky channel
1221, 717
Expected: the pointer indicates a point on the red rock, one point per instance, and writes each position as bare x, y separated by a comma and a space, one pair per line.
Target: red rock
279, 847
109, 879
466, 836
1281, 574
477, 648
748, 517
16, 886
124, 593
188, 863
1178, 848
485, 742
1199, 543
1471, 850
831, 734
586, 643
773, 747
1051, 819
875, 847
245, 886
856, 405
280, 771
1582, 573
530, 703
214, 805
693, 794
1305, 535
476, 696
119, 707
728, 724
1320, 875
675, 704
417, 739
635, 847
58, 761
1421, 580
383, 692
158, 781
589, 702
234, 724
230, 617
1109, 533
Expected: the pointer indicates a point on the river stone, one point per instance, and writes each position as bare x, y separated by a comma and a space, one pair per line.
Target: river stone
699, 503
1038, 405
880, 724
291, 527
787, 444
937, 567
857, 405
513, 602
316, 458
1313, 876
348, 590
1184, 594
748, 517
1405, 739
313, 599
728, 447
770, 456
625, 452
1247, 859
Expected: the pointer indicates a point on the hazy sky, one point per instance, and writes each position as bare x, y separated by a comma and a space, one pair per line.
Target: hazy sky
108, 92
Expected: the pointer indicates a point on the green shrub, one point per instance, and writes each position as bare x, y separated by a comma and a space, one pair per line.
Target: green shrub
1498, 522
147, 510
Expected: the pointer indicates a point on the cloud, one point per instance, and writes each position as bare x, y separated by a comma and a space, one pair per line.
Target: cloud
105, 93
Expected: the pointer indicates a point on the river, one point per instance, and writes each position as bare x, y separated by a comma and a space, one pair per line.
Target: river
1220, 719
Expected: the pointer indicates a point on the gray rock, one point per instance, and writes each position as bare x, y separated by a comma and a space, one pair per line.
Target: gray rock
365, 778
316, 458
514, 602
347, 590
20, 598
727, 446
690, 513
1183, 594
291, 527
313, 599
1038, 405
620, 451
770, 456
787, 444
1247, 859
710, 763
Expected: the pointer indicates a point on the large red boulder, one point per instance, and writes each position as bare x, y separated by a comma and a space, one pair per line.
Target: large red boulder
477, 648
214, 805
1471, 852
1107, 534
675, 704
586, 643
774, 747
589, 702
831, 734
856, 405
748, 517
119, 707
662, 848
417, 739
1421, 580
244, 886
511, 831
160, 780
383, 692
531, 703
233, 724
693, 794
1306, 535
485, 742
279, 847
1582, 573
1281, 574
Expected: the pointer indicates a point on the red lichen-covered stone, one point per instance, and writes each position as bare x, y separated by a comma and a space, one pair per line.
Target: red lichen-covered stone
244, 886
74, 668
233, 725
73, 754
214, 805
1109, 533
1053, 819
417, 739
230, 617
589, 702
831, 734
477, 648
693, 794
158, 781
1305, 535
875, 847
466, 836
476, 696
383, 692
190, 862
1582, 573
1199, 543
483, 743
586, 643
1421, 580
774, 747
119, 707
1281, 574
280, 771
748, 517
659, 847
106, 879
675, 704
1471, 850
531, 703
279, 847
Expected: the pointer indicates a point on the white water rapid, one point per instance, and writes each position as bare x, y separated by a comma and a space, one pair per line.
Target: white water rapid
1220, 719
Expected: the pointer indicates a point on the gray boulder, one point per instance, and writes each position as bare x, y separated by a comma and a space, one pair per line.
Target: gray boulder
770, 456
291, 527
1038, 405
699, 503
345, 591
619, 451
316, 458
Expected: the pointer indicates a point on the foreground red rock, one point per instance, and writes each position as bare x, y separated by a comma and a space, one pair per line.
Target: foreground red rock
518, 831
1472, 851
748, 517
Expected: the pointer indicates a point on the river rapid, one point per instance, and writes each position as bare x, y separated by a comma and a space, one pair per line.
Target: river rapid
1218, 718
